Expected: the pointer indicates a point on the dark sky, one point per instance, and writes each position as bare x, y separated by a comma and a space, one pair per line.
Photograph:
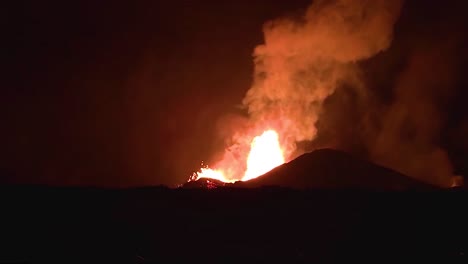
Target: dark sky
121, 93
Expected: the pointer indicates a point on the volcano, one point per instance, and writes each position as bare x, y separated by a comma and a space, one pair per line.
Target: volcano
327, 169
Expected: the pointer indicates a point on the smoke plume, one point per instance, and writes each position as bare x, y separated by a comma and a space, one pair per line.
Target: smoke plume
304, 60
407, 137
301, 63
401, 116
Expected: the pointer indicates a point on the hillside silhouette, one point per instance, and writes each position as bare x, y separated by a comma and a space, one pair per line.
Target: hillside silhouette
158, 225
326, 169
332, 169
323, 207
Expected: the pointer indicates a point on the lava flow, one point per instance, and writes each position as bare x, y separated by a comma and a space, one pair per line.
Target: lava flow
265, 154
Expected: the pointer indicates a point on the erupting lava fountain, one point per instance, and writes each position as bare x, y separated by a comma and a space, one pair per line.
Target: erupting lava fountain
264, 155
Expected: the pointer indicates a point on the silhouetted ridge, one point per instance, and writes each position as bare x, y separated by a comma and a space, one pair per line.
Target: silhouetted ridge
332, 169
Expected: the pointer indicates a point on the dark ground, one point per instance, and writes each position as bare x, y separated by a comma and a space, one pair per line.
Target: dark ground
150, 225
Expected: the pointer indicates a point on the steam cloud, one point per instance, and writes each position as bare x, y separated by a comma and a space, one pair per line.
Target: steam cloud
406, 137
301, 63
304, 60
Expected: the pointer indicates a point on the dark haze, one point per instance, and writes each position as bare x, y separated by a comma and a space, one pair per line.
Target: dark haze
406, 117
121, 93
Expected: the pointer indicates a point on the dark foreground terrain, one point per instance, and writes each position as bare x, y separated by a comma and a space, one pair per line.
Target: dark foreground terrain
156, 225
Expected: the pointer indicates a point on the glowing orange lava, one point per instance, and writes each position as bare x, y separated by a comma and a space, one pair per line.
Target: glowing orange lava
265, 154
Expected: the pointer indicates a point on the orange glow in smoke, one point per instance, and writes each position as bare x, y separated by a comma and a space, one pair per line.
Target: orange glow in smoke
264, 155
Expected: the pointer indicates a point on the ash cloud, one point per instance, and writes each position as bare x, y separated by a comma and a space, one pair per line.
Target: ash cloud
401, 115
408, 135
320, 57
303, 61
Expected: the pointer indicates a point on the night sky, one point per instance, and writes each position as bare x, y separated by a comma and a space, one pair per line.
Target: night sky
125, 93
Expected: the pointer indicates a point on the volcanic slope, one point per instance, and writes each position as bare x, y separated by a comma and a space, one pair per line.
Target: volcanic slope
332, 169
328, 169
